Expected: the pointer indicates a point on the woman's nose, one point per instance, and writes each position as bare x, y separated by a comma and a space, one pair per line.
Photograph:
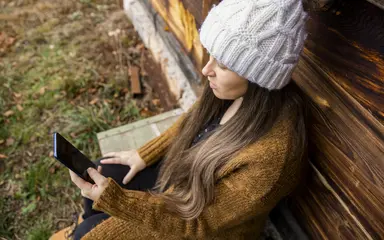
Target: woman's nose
207, 70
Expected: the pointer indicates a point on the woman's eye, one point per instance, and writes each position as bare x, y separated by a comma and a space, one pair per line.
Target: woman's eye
218, 64
221, 66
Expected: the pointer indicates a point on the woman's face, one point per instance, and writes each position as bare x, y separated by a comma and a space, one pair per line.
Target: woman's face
225, 83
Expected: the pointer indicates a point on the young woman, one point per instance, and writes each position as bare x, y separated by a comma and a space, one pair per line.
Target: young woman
226, 162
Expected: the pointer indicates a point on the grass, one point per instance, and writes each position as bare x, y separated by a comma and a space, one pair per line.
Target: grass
64, 69
41, 231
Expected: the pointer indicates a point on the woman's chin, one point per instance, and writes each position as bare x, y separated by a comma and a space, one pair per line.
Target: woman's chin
217, 94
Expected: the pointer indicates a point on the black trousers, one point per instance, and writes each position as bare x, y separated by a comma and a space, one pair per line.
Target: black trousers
142, 181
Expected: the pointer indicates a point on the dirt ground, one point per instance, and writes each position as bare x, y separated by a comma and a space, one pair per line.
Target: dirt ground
64, 66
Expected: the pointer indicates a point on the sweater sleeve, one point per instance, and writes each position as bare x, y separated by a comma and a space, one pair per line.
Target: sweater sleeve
250, 190
155, 148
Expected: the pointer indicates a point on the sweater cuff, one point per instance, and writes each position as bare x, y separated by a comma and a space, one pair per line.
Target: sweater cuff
154, 149
115, 201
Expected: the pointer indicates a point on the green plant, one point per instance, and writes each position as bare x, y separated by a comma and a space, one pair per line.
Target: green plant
42, 231
5, 218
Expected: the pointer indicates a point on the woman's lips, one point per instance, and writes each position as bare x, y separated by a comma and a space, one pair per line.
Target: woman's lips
212, 85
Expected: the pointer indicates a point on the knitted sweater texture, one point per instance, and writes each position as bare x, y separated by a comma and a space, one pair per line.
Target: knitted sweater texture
250, 185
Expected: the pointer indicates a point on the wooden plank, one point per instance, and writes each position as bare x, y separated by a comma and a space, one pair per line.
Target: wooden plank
362, 192
135, 81
341, 71
182, 23
352, 55
378, 3
326, 215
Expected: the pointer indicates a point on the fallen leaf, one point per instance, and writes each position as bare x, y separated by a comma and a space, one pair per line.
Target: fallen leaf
29, 153
51, 153
42, 90
145, 113
3, 156
19, 107
140, 46
95, 100
9, 141
5, 41
92, 90
17, 95
2, 141
8, 113
52, 170
156, 101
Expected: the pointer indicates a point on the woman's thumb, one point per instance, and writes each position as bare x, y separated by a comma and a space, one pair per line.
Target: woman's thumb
129, 176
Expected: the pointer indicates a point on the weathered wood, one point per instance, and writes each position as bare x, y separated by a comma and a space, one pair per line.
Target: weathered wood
163, 53
341, 70
322, 206
135, 81
379, 3
182, 23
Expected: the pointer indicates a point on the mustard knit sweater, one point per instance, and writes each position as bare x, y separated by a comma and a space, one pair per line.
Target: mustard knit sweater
249, 187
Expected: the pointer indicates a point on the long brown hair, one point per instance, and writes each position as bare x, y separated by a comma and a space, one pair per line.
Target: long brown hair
193, 170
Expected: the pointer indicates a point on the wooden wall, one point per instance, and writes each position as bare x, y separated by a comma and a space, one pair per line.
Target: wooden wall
184, 18
341, 72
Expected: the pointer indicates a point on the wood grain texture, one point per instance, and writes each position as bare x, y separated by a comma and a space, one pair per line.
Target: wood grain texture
351, 45
378, 3
341, 71
322, 207
183, 24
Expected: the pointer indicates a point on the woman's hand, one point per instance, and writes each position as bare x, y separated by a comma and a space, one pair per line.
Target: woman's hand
89, 190
130, 158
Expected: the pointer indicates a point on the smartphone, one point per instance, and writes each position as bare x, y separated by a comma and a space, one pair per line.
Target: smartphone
71, 157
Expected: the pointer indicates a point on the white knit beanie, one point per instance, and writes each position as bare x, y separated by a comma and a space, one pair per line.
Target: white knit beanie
260, 40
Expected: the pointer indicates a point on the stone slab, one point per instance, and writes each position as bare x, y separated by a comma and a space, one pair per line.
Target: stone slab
136, 134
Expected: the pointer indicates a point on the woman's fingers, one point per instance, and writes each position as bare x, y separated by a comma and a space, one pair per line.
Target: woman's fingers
78, 181
110, 154
116, 160
129, 176
96, 176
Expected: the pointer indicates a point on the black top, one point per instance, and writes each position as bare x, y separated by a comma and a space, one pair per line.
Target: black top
208, 128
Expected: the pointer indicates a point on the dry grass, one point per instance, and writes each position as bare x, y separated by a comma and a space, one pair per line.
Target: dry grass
63, 67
